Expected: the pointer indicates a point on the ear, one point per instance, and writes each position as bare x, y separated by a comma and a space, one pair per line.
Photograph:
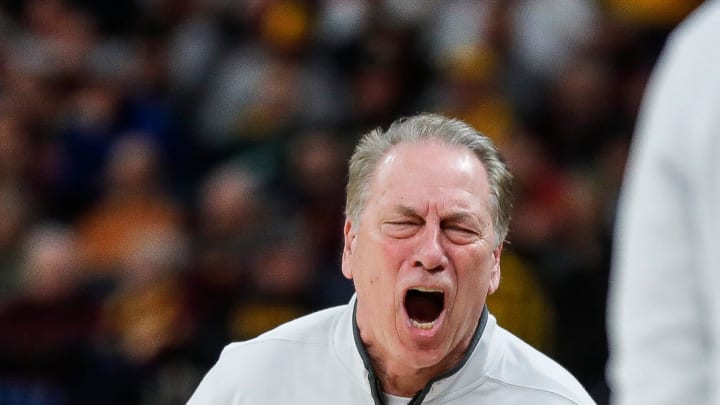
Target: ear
348, 248
495, 272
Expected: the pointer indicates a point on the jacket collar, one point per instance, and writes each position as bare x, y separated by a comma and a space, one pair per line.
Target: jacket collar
470, 370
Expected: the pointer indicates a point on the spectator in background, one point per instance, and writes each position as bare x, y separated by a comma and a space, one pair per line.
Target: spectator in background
14, 153
280, 286
470, 90
312, 183
147, 321
88, 131
262, 88
47, 329
133, 202
231, 217
15, 211
19, 185
664, 313
523, 305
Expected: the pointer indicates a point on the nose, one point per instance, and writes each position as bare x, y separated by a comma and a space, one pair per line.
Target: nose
430, 254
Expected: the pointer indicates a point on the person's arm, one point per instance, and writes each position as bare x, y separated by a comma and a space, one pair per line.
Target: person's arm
663, 317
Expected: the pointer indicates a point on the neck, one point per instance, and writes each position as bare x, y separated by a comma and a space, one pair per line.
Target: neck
402, 380
398, 379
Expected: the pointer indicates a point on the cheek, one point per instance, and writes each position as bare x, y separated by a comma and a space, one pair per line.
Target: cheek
376, 264
379, 269
474, 272
393, 252
384, 265
471, 298
386, 252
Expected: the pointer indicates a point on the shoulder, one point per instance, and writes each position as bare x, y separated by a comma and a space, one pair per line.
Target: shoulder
309, 329
297, 348
680, 112
526, 373
700, 28
305, 333
691, 54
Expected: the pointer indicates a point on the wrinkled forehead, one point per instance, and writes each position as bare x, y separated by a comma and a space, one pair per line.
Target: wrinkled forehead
432, 170
427, 157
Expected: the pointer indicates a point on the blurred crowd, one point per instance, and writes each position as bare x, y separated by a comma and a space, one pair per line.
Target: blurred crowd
172, 171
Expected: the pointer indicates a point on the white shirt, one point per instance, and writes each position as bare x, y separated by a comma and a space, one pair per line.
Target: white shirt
664, 303
318, 359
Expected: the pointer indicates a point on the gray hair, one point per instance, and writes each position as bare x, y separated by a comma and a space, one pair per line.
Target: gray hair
374, 145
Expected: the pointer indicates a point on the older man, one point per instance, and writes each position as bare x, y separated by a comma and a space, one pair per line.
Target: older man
428, 207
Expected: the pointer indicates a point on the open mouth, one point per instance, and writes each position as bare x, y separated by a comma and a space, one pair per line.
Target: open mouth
424, 306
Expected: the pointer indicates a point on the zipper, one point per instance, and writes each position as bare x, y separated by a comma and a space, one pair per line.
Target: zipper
375, 385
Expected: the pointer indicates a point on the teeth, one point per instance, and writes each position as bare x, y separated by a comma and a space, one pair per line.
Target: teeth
423, 289
422, 325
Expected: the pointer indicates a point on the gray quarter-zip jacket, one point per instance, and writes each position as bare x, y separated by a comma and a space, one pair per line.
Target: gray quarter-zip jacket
319, 359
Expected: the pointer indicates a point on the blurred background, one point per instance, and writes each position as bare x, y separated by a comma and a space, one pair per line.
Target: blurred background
172, 171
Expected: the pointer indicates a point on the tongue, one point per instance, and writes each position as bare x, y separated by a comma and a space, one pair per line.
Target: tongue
423, 307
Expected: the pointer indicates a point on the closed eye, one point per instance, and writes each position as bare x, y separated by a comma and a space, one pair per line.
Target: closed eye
461, 235
400, 229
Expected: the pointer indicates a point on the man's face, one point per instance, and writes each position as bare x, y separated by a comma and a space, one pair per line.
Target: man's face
423, 256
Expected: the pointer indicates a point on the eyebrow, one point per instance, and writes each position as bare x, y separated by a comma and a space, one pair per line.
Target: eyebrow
464, 218
461, 217
407, 210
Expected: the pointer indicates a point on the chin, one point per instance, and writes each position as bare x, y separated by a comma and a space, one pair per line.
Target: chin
421, 354
422, 358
